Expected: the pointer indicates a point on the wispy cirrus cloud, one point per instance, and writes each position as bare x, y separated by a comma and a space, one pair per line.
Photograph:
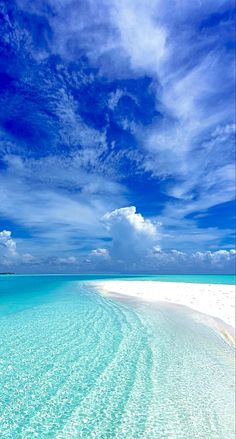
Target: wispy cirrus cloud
192, 144
106, 101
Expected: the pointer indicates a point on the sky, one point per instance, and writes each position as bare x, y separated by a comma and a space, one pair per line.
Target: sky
117, 131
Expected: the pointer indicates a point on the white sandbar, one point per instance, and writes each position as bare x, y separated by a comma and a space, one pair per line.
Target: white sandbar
217, 301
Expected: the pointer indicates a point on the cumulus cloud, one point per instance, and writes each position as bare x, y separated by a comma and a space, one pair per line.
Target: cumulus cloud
216, 258
8, 244
136, 245
204, 262
132, 235
8, 252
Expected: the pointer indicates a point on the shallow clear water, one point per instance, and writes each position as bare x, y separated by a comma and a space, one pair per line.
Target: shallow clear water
223, 279
75, 364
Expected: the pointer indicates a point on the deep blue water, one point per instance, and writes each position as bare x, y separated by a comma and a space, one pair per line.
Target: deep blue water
74, 364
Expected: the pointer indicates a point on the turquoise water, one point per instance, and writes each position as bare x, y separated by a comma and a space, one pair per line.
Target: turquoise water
74, 364
223, 279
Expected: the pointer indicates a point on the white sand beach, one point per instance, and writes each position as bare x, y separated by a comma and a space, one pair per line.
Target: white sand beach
211, 300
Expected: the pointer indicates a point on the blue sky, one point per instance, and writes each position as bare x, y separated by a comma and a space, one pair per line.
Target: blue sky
117, 132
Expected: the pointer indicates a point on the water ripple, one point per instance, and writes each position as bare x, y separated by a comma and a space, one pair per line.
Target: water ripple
82, 366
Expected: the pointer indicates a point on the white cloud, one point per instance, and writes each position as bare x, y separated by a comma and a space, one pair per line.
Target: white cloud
8, 244
100, 252
217, 258
194, 141
132, 235
27, 258
205, 262
132, 38
9, 254
127, 216
114, 98
56, 207
70, 260
143, 39
192, 144
136, 246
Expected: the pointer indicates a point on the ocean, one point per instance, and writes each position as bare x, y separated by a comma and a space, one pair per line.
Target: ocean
74, 364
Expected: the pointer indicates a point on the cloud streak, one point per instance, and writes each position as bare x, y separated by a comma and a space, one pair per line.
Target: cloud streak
131, 104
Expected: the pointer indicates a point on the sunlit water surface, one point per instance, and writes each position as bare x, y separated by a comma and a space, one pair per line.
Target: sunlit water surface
74, 364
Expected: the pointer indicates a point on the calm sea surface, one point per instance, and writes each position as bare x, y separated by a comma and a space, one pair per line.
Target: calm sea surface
74, 364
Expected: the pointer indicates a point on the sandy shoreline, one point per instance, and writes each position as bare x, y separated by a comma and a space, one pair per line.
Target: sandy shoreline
215, 301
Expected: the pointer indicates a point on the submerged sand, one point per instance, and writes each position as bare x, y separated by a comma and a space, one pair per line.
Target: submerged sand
215, 302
